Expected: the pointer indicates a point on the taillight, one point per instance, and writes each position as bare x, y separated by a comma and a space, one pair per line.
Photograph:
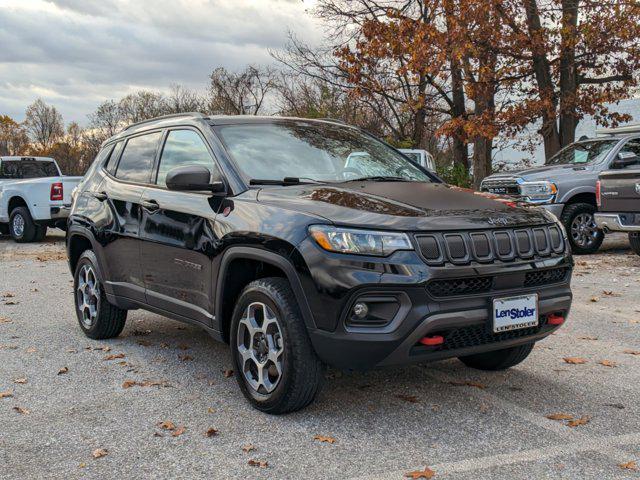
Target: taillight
57, 191
598, 195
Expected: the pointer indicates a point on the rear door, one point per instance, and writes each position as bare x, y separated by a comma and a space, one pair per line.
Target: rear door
620, 187
177, 229
122, 191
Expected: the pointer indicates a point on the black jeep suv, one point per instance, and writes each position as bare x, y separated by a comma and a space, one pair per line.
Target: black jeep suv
309, 242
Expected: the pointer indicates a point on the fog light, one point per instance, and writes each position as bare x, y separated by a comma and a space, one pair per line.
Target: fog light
360, 310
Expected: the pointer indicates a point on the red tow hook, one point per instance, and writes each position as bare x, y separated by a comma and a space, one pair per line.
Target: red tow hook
432, 341
555, 319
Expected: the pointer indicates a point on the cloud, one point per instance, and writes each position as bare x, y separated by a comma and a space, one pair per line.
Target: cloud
77, 53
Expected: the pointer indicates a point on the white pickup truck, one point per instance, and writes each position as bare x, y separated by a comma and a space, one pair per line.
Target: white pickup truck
33, 196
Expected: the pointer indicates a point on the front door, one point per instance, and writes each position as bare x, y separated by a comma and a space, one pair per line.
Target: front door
177, 232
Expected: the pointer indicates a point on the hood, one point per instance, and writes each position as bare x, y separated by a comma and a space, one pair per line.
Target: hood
404, 206
545, 172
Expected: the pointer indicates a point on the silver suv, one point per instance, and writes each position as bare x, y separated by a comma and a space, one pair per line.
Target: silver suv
566, 185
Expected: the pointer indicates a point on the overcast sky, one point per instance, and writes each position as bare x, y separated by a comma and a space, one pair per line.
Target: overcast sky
77, 53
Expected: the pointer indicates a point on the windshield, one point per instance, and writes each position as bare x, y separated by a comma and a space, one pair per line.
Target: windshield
313, 151
583, 153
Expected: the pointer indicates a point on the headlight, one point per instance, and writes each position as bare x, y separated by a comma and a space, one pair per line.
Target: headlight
360, 242
537, 191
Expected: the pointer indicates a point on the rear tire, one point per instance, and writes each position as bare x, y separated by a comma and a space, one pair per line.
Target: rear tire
22, 228
498, 359
277, 368
41, 233
578, 220
98, 319
634, 240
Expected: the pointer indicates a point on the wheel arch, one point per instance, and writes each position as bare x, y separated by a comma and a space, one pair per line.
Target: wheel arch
241, 265
583, 195
80, 239
16, 201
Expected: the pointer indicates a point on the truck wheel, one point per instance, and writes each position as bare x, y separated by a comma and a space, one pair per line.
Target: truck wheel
21, 226
584, 236
41, 233
634, 240
277, 369
498, 359
97, 317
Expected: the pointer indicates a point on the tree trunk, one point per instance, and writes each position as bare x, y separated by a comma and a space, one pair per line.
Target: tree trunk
460, 147
568, 80
542, 71
420, 115
485, 107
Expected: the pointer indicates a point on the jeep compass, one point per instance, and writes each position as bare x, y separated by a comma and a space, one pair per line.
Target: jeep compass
305, 243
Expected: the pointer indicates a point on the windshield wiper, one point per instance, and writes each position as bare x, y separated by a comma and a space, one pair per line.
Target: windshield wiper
379, 178
285, 181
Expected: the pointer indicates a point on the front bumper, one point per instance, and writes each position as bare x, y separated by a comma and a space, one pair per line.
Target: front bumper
614, 222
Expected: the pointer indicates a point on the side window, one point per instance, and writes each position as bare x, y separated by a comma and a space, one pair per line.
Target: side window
10, 169
137, 159
183, 147
111, 158
632, 146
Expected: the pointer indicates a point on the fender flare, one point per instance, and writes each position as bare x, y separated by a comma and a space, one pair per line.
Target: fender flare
10, 195
80, 231
271, 258
577, 191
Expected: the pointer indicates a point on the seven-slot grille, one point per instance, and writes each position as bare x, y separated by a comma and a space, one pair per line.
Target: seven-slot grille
503, 186
488, 246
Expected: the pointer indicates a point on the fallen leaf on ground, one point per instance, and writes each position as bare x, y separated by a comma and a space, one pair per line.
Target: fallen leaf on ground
82, 465
631, 352
608, 363
212, 432
211, 410
8, 295
5, 320
588, 338
228, 373
100, 452
248, 448
426, 473
580, 421
129, 383
468, 384
178, 431
408, 398
7, 394
611, 293
8, 347
167, 425
183, 347
144, 343
595, 299
20, 380
71, 350
63, 370
185, 358
629, 465
559, 416
139, 333
322, 438
258, 463
31, 350
113, 356
21, 410
146, 383
575, 360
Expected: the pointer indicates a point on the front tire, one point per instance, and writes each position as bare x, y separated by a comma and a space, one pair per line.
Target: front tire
22, 228
498, 359
277, 368
579, 222
634, 240
98, 319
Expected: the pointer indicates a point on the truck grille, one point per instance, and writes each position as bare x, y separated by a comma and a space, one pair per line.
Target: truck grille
486, 283
490, 245
500, 186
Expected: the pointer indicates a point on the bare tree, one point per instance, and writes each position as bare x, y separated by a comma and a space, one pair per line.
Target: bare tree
44, 124
182, 99
240, 93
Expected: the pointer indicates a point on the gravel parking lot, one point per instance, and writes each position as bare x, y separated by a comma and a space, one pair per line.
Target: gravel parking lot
68, 399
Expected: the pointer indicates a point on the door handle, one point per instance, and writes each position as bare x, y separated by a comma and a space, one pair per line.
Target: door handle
150, 205
100, 195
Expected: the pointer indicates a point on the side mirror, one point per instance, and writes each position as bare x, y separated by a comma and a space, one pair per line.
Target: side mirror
193, 178
624, 159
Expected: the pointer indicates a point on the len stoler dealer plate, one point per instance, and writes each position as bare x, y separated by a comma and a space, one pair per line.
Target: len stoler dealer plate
514, 313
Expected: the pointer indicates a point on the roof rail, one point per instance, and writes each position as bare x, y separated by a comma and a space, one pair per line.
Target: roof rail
630, 128
162, 117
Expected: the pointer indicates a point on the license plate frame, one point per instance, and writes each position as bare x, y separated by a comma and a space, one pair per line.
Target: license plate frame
502, 314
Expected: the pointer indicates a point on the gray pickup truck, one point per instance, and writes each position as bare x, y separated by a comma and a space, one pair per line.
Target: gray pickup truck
566, 185
618, 193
